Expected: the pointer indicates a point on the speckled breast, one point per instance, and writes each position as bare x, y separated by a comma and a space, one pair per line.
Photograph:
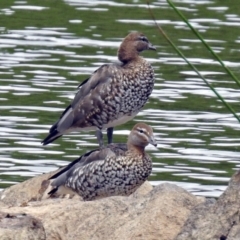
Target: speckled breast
130, 91
137, 88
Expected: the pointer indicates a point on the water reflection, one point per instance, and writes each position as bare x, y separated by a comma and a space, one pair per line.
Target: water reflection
46, 55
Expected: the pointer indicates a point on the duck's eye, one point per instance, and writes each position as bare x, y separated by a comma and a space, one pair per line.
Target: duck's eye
140, 130
143, 38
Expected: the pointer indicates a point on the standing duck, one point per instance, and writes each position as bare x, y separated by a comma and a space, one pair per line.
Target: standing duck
115, 170
112, 95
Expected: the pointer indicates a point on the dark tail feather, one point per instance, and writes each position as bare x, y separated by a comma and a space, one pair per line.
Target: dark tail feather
53, 132
65, 169
53, 191
53, 135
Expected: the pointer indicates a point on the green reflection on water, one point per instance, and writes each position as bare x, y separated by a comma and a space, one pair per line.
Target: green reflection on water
105, 25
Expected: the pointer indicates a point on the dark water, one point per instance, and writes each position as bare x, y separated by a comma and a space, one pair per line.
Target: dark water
48, 47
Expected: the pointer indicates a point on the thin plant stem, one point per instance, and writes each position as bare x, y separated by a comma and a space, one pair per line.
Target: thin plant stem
204, 42
192, 66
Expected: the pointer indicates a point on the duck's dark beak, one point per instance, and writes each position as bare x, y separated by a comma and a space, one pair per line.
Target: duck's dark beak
151, 47
152, 141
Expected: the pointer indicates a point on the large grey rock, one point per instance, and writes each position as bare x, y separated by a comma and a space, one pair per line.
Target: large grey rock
216, 221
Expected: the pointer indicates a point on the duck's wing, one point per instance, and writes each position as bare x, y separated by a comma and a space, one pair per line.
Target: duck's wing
88, 100
60, 178
113, 149
94, 155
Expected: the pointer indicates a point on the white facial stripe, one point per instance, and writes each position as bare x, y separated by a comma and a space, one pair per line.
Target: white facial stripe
144, 130
141, 129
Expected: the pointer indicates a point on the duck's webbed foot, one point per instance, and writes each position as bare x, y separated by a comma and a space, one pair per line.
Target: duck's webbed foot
110, 135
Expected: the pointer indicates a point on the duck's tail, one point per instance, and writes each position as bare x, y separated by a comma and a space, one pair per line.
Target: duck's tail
57, 191
53, 135
60, 127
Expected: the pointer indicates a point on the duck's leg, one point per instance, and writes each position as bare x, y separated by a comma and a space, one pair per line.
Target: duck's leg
110, 135
99, 137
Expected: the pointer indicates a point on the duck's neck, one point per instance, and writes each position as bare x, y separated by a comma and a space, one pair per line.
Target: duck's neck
126, 55
136, 149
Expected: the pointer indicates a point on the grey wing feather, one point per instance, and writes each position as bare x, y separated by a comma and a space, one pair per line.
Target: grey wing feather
88, 97
111, 150
101, 76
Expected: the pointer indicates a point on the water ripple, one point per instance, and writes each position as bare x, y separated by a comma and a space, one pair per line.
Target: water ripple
42, 65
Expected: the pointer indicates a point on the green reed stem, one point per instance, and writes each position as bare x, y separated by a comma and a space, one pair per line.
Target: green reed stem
192, 66
204, 43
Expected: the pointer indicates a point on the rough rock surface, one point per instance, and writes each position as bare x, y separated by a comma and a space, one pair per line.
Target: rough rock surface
216, 221
24, 192
165, 212
20, 226
157, 213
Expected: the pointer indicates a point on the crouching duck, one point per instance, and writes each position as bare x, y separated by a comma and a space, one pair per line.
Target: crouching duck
115, 170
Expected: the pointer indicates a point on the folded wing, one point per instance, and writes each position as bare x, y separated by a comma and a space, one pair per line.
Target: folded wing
88, 101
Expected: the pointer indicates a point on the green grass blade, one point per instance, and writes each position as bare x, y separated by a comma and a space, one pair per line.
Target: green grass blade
203, 41
192, 66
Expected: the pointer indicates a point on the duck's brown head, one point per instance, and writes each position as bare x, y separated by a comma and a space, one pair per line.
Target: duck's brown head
132, 45
140, 136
